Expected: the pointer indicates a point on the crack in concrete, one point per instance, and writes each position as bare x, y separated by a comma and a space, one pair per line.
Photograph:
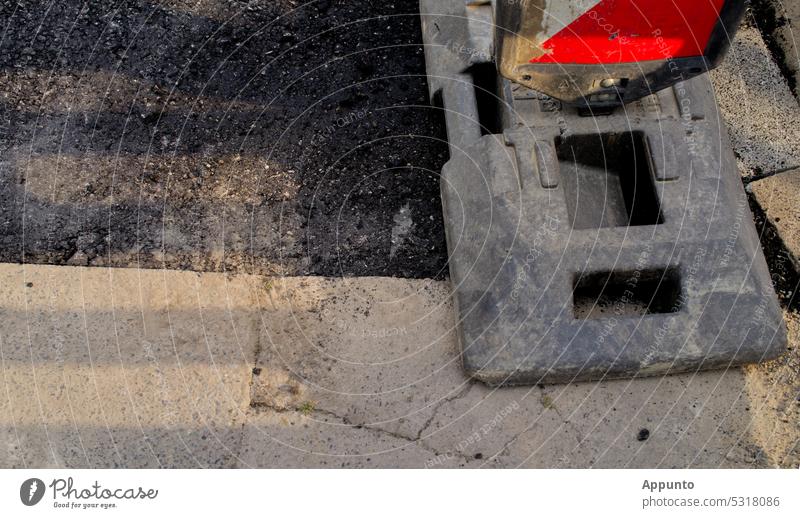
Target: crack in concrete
343, 419
567, 425
510, 442
358, 426
570, 426
256, 355
415, 440
461, 393
257, 348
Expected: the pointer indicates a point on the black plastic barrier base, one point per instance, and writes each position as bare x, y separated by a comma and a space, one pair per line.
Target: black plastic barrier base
589, 246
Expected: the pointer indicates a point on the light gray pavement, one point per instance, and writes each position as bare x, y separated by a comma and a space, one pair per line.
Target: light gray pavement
132, 368
105, 367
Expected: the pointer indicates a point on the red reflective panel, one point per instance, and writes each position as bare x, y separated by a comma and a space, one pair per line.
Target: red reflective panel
623, 31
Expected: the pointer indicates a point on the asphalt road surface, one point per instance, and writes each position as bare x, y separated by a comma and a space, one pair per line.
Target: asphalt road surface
272, 137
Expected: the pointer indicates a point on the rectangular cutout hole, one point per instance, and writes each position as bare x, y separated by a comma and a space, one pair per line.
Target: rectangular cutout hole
626, 294
607, 180
487, 95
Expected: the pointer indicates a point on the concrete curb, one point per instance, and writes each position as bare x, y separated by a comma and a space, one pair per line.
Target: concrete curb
777, 196
761, 114
782, 26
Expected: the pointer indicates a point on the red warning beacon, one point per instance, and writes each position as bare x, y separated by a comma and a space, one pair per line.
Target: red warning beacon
608, 52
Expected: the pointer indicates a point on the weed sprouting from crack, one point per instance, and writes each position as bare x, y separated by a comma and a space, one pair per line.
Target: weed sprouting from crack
307, 408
